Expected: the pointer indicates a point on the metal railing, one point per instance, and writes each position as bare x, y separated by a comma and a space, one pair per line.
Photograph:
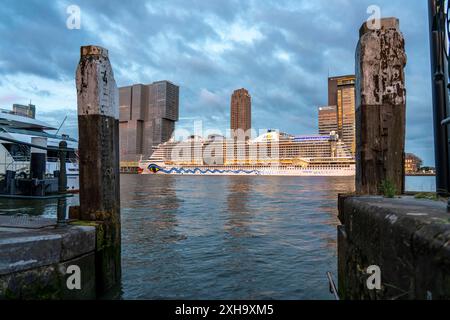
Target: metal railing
333, 288
439, 20
439, 39
446, 122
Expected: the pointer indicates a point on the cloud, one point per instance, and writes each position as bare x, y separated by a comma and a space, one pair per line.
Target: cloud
281, 51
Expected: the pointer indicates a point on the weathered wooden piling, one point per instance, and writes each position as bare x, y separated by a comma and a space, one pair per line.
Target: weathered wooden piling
380, 108
98, 123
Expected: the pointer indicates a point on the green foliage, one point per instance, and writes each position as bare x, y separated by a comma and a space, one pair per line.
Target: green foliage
430, 196
388, 189
427, 196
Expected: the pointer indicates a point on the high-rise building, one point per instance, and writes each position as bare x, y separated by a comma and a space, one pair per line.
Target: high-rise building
327, 120
341, 93
147, 117
241, 110
26, 111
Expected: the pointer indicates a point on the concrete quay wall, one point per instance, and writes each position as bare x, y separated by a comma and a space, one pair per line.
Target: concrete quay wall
34, 264
407, 238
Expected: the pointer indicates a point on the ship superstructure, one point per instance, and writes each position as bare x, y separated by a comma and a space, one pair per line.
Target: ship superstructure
272, 153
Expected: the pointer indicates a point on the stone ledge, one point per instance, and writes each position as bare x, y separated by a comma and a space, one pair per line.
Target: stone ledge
408, 238
50, 282
404, 212
23, 250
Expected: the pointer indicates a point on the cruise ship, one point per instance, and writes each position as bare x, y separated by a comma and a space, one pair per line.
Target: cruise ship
271, 154
17, 130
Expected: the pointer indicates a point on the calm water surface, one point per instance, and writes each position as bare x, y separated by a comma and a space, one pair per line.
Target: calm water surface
225, 237
229, 237
422, 184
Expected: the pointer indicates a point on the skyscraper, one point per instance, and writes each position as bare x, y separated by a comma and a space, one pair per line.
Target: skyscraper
327, 120
147, 117
26, 111
241, 110
341, 93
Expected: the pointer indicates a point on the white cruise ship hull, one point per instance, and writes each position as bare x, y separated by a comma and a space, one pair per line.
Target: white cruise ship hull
330, 171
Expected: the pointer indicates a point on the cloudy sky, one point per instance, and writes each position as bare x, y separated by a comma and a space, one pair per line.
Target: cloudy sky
280, 50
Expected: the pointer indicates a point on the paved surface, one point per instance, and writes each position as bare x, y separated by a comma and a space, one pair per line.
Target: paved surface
407, 207
25, 222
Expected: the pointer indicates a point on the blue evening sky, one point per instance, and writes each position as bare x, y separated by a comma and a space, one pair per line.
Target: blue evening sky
281, 51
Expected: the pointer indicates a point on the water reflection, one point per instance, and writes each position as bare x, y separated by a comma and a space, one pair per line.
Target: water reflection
238, 190
229, 237
149, 224
239, 216
44, 208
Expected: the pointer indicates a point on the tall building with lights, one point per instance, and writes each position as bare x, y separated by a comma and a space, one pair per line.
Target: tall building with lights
147, 117
241, 110
328, 120
341, 93
412, 163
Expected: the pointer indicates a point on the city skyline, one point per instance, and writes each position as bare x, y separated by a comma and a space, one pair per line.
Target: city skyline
264, 50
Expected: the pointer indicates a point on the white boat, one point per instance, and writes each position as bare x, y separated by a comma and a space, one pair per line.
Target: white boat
14, 156
272, 154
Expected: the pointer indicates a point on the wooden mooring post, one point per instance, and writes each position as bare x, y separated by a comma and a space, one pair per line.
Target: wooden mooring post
98, 123
380, 109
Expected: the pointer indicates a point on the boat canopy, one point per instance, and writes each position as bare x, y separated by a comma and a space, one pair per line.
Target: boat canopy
8, 119
35, 133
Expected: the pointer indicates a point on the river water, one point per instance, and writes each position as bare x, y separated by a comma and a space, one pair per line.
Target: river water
230, 237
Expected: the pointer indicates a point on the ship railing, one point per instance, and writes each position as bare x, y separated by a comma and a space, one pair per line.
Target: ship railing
13, 166
49, 159
24, 166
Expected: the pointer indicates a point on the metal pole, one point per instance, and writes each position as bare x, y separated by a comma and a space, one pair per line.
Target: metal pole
62, 186
333, 288
439, 70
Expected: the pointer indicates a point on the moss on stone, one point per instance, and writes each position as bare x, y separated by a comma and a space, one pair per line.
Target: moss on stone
430, 196
83, 223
